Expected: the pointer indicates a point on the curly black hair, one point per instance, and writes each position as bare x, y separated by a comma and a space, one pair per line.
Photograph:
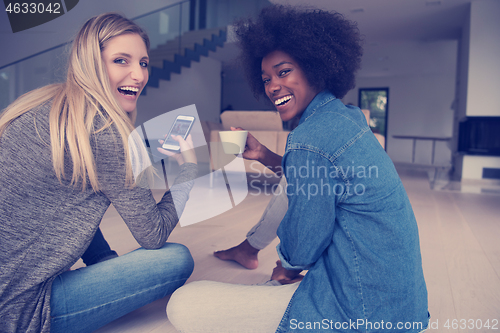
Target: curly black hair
326, 46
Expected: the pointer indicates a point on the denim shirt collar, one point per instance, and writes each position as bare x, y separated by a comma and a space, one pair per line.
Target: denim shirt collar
319, 100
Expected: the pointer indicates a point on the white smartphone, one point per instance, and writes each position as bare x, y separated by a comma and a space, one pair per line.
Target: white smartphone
182, 125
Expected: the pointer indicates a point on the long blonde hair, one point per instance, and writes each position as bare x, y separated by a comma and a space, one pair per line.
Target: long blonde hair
85, 95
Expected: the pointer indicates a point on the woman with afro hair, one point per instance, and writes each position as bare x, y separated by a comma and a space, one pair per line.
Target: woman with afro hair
349, 222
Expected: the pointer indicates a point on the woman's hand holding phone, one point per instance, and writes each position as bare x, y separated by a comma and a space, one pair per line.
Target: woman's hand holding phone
187, 154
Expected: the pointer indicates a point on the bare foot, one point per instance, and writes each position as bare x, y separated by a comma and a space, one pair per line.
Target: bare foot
286, 276
244, 254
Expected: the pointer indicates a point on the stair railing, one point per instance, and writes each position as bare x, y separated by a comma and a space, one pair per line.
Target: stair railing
49, 66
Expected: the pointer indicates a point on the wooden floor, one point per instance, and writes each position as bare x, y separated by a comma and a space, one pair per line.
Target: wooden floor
459, 237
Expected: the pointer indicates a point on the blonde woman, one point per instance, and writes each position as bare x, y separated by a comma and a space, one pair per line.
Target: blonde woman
64, 153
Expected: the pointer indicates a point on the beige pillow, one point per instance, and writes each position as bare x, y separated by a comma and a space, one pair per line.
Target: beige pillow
252, 120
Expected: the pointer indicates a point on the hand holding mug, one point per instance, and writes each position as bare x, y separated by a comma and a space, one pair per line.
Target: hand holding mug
253, 148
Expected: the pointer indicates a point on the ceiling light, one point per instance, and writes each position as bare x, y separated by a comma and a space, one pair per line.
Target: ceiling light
357, 10
433, 2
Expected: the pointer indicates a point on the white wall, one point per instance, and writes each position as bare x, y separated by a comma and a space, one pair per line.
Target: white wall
483, 93
200, 84
419, 103
461, 95
418, 106
483, 68
236, 91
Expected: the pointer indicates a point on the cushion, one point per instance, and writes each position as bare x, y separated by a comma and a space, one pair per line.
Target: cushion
252, 120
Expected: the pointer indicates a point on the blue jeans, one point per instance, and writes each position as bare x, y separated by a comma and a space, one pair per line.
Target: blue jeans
88, 298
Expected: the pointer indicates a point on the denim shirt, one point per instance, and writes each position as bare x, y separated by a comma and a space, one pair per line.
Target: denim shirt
351, 225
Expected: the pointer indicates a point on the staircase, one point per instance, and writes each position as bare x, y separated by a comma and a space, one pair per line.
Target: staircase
177, 53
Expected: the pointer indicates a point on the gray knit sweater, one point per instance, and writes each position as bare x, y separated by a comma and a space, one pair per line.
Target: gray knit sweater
45, 226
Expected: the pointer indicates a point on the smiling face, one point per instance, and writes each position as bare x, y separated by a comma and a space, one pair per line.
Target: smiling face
286, 85
126, 60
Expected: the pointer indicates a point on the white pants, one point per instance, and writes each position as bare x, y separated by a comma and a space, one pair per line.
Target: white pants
208, 306
264, 232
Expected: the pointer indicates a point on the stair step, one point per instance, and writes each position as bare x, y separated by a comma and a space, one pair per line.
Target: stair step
167, 59
189, 38
168, 50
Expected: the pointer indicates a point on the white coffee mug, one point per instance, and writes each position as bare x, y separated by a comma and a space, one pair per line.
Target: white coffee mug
233, 142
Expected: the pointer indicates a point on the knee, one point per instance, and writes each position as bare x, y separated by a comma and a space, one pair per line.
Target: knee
177, 302
179, 256
171, 261
181, 307
187, 258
